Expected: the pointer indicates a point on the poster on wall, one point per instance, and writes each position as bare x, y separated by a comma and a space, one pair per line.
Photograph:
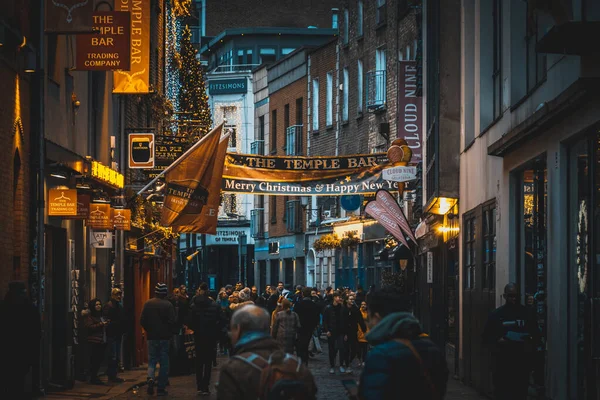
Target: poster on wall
107, 49
410, 109
136, 80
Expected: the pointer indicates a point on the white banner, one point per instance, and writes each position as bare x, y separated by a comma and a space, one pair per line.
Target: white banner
400, 174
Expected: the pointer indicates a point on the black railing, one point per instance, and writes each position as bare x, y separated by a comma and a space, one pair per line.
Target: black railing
257, 147
376, 89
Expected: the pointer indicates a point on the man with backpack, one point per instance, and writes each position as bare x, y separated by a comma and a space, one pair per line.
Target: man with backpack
403, 362
258, 368
205, 319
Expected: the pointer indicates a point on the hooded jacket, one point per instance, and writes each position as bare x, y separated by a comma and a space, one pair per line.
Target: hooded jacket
205, 318
392, 371
96, 330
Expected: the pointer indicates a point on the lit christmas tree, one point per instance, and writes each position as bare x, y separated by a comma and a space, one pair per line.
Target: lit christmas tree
193, 100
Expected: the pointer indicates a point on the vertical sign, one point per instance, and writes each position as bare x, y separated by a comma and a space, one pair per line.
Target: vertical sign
62, 202
141, 150
68, 16
136, 79
410, 109
429, 267
109, 48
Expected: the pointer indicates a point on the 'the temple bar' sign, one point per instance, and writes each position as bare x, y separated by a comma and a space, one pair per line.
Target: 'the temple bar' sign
109, 48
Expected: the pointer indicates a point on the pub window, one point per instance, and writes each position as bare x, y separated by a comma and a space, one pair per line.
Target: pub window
489, 246
470, 252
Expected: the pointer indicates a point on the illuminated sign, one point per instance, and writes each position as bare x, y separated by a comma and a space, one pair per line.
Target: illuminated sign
141, 150
109, 48
121, 219
62, 202
99, 217
107, 175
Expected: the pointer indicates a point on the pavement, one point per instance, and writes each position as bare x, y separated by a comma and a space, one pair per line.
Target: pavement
184, 387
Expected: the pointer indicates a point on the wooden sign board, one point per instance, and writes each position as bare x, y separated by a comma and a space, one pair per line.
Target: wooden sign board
99, 216
121, 219
62, 202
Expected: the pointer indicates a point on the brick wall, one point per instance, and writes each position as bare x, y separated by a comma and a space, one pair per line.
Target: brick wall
277, 102
221, 15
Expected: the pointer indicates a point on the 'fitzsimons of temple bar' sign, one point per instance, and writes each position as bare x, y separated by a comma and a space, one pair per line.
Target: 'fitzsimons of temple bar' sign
308, 176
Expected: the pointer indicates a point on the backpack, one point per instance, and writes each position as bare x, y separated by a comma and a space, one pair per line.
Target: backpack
282, 376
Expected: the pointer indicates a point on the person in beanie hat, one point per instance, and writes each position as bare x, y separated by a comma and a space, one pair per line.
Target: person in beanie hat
158, 320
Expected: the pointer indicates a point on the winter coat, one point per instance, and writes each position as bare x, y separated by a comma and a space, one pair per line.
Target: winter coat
238, 380
96, 330
362, 333
285, 329
158, 319
352, 322
205, 318
272, 303
113, 311
392, 370
309, 314
332, 320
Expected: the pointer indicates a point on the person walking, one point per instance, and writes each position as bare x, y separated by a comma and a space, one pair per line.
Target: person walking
205, 320
512, 335
363, 345
352, 322
273, 299
95, 324
403, 360
309, 314
285, 328
158, 320
333, 328
113, 312
239, 378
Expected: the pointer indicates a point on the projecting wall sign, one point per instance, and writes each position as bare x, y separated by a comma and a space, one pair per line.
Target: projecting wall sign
141, 150
62, 202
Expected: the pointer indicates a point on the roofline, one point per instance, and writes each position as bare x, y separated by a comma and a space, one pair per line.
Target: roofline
268, 31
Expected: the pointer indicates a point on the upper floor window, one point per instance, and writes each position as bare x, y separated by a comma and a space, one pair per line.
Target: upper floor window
359, 18
267, 55
315, 105
244, 56
345, 92
329, 100
346, 35
359, 87
287, 50
381, 14
334, 18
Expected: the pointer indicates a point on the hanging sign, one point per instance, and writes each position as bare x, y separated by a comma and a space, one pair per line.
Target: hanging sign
141, 150
135, 80
410, 109
400, 174
62, 202
109, 48
164, 155
99, 217
121, 219
101, 239
68, 16
83, 207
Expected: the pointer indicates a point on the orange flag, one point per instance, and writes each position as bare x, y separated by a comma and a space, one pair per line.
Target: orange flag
206, 220
188, 180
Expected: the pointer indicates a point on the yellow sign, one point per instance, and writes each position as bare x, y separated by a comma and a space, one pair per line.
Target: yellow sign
99, 217
136, 80
62, 202
108, 175
121, 219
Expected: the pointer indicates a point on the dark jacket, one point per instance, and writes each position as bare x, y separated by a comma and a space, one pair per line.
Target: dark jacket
360, 297
332, 320
113, 310
158, 319
205, 318
352, 321
309, 314
391, 369
95, 329
272, 303
237, 379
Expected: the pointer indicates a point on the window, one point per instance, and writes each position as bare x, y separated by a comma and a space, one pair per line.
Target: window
334, 18
285, 211
376, 82
286, 123
261, 127
267, 55
381, 12
329, 100
346, 35
287, 50
315, 105
257, 227
273, 138
273, 209
497, 59
294, 216
299, 110
535, 63
244, 56
346, 90
359, 83
294, 140
359, 19
470, 262
488, 220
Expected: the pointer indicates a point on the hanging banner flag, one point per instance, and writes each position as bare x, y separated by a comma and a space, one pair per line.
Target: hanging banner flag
68, 16
375, 210
136, 79
389, 204
62, 202
187, 189
109, 48
121, 219
410, 109
141, 150
100, 217
206, 220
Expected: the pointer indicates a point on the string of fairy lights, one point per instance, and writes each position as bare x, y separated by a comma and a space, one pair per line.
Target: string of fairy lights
172, 47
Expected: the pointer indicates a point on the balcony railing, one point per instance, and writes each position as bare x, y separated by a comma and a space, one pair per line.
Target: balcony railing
257, 223
294, 216
376, 90
236, 68
257, 147
294, 140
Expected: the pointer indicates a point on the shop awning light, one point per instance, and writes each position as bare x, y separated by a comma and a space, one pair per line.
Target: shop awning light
447, 229
442, 205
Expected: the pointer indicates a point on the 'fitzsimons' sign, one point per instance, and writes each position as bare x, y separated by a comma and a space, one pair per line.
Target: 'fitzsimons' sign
320, 176
227, 86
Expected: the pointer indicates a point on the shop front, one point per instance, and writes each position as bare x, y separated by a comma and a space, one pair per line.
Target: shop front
280, 259
229, 257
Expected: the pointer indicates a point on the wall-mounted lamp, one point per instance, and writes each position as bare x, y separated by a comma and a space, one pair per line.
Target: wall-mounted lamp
29, 55
75, 102
193, 255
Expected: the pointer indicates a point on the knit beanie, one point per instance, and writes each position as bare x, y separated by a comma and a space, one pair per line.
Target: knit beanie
161, 289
